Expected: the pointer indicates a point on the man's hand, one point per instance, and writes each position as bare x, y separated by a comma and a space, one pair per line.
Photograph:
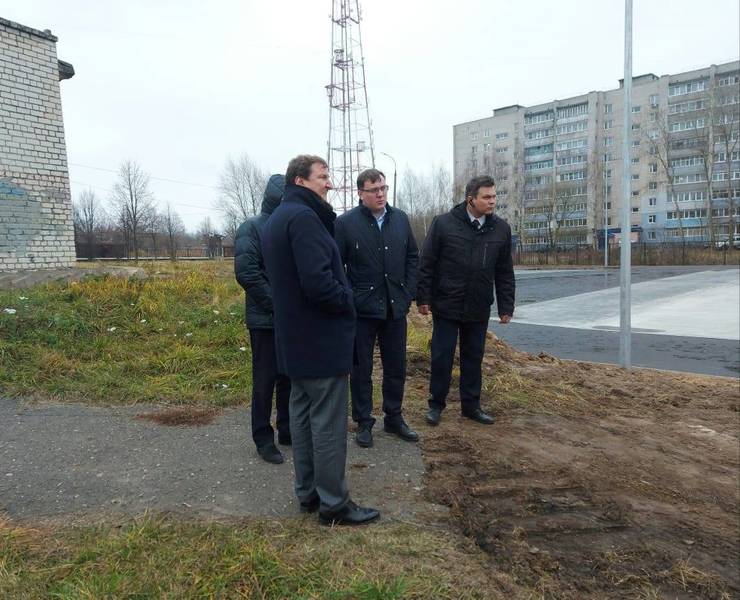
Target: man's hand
503, 319
423, 309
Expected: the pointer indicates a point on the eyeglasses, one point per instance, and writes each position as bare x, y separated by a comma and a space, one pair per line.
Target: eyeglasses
376, 190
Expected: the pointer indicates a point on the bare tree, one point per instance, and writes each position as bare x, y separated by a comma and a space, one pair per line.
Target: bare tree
660, 145
88, 217
154, 226
173, 229
241, 186
134, 200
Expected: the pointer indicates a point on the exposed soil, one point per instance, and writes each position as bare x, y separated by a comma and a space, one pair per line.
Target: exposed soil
181, 415
626, 486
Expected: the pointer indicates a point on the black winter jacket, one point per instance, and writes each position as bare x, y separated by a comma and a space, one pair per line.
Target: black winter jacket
249, 267
314, 312
459, 267
381, 264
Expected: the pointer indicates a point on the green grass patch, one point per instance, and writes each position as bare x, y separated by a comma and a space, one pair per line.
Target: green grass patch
174, 337
164, 558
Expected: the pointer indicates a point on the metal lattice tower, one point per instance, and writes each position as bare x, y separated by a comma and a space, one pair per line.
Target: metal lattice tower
350, 146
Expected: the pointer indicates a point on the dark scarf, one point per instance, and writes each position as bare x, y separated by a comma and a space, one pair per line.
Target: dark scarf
316, 203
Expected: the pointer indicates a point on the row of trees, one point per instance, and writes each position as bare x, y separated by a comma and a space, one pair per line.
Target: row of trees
130, 222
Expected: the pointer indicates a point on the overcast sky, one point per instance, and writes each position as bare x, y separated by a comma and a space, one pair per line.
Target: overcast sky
179, 86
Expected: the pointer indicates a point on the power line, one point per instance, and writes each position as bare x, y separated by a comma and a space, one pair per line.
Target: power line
98, 187
204, 185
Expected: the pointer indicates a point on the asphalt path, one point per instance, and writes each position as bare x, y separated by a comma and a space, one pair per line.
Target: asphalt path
58, 460
695, 354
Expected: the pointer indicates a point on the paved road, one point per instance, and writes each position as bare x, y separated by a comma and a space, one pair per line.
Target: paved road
580, 291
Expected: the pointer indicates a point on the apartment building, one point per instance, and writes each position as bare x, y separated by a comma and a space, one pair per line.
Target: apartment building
558, 165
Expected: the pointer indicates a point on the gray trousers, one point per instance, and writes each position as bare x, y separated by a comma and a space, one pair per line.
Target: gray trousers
318, 426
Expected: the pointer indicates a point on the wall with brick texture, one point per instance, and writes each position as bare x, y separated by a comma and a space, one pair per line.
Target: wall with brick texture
35, 204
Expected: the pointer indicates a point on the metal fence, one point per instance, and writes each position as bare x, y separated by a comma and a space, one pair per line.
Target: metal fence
687, 253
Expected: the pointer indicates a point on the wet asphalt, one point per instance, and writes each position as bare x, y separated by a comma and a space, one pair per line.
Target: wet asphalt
687, 354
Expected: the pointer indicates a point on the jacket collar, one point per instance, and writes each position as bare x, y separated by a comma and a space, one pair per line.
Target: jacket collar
368, 213
461, 212
299, 193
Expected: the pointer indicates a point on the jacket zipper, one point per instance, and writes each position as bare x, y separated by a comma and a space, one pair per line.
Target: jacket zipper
485, 253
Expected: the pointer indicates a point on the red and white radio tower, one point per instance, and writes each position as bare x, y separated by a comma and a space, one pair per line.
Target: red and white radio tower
350, 145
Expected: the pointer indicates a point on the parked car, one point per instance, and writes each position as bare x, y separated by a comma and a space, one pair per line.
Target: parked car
725, 242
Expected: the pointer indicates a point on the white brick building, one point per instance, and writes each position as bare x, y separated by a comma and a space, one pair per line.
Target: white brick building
35, 204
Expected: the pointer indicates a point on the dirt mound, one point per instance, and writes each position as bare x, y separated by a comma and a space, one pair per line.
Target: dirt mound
609, 484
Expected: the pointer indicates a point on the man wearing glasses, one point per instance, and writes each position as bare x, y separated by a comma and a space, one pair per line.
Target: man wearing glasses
378, 249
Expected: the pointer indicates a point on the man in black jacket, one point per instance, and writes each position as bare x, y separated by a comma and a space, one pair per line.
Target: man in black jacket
250, 273
314, 335
381, 257
467, 252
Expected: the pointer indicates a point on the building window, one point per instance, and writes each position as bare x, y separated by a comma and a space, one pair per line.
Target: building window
651, 235
688, 87
636, 109
636, 161
608, 141
572, 111
474, 136
635, 143
654, 100
653, 201
487, 146
539, 117
486, 133
653, 168
733, 79
635, 127
473, 150
572, 127
635, 209
502, 136
652, 186
501, 150
651, 218
686, 125
636, 194
608, 124
608, 108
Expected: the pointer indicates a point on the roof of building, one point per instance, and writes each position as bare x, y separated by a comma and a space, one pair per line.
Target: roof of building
46, 33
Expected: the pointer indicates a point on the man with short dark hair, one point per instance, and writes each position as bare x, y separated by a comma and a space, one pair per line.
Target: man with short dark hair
314, 336
249, 269
466, 254
380, 253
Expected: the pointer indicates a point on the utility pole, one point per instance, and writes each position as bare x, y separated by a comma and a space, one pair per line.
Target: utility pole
394, 176
625, 266
606, 220
350, 147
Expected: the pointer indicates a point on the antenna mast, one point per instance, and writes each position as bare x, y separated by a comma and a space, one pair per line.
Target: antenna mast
350, 147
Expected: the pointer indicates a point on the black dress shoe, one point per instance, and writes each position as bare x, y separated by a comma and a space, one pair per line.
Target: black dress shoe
479, 416
402, 430
271, 454
364, 436
434, 416
311, 506
285, 439
351, 514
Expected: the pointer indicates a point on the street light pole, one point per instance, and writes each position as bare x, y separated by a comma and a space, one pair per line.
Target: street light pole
625, 266
394, 176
